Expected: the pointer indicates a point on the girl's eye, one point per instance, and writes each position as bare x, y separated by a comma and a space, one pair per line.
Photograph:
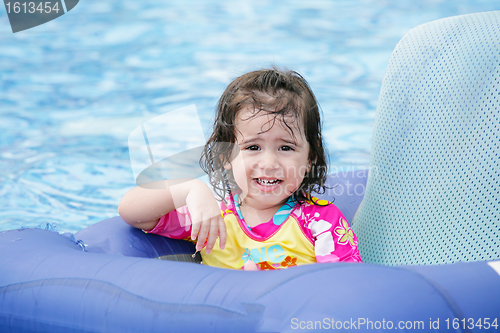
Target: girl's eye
252, 147
287, 148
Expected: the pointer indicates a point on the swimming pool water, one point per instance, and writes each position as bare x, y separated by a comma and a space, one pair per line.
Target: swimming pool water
73, 89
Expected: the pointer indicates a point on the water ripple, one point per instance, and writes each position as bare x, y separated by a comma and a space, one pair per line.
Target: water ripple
73, 89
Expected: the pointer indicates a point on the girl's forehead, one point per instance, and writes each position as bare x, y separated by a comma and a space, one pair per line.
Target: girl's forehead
249, 114
262, 121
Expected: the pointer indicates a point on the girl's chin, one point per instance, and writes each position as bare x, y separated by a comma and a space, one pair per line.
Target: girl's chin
267, 198
269, 195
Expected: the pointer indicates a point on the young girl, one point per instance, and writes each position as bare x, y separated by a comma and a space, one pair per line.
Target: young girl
264, 159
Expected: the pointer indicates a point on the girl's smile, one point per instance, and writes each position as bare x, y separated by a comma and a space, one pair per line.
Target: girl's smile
272, 160
267, 185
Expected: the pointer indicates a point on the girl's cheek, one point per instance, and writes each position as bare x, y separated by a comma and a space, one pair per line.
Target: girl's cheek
295, 172
239, 163
240, 173
246, 163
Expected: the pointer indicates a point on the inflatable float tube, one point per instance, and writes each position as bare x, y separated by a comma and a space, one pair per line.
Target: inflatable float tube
54, 283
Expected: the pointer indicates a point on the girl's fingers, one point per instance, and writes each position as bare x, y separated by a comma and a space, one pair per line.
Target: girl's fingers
207, 230
222, 233
202, 235
195, 228
212, 235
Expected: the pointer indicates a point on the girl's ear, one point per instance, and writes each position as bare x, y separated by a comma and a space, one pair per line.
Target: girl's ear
227, 164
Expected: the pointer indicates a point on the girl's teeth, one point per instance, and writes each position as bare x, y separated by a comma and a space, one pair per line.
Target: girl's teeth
267, 182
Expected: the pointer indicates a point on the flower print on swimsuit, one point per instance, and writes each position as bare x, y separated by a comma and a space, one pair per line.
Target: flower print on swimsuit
247, 255
345, 233
289, 262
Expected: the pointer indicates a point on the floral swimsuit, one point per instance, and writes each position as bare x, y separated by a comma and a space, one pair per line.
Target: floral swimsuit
299, 233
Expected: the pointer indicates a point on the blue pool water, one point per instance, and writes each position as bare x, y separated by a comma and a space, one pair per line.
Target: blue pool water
73, 89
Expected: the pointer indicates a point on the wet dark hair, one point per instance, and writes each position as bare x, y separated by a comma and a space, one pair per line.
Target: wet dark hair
282, 93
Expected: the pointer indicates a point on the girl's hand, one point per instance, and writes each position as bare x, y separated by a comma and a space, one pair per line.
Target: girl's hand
205, 217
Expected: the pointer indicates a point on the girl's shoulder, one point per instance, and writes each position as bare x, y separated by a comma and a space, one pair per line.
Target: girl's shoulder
316, 208
316, 204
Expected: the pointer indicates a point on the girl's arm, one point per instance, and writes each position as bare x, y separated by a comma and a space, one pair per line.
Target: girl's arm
143, 206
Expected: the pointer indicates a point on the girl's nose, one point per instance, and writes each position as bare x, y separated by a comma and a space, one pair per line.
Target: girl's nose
268, 161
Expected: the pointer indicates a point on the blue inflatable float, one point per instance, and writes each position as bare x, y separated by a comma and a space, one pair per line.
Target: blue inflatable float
428, 228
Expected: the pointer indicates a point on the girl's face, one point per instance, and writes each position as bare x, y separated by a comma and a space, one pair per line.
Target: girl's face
271, 162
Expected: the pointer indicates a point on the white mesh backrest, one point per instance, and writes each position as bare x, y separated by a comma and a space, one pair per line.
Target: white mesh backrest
432, 195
